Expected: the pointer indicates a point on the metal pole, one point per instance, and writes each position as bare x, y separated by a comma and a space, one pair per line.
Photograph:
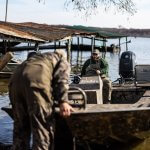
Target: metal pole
4, 41
126, 43
6, 10
68, 49
78, 50
92, 44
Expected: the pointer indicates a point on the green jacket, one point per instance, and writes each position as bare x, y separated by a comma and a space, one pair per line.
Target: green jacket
102, 64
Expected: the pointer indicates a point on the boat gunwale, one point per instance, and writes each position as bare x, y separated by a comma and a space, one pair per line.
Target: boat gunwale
131, 108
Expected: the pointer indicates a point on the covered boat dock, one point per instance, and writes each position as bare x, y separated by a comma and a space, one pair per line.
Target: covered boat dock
31, 36
45, 36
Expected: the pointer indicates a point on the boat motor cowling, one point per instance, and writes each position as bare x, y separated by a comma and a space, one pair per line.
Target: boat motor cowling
127, 65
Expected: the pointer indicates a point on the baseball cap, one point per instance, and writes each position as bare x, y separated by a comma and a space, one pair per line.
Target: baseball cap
96, 51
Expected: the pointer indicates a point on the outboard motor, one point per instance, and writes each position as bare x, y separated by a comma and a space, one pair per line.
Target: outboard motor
126, 65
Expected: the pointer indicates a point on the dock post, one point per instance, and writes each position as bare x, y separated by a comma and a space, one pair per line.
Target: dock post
126, 43
4, 50
92, 44
81, 53
119, 42
68, 50
71, 53
119, 46
105, 47
59, 43
36, 48
78, 50
54, 45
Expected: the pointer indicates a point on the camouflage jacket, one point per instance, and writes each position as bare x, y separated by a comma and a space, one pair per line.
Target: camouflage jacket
48, 72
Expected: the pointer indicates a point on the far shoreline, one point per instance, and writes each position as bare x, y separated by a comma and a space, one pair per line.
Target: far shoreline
145, 33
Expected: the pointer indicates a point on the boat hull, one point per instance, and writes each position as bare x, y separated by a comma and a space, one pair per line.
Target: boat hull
100, 124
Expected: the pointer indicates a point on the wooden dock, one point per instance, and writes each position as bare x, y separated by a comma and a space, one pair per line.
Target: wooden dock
74, 47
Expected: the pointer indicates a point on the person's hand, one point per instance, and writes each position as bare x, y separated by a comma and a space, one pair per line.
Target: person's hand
65, 109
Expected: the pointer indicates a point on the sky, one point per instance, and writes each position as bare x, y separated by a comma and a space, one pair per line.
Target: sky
54, 12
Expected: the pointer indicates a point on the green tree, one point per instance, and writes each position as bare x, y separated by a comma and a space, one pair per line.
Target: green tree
89, 7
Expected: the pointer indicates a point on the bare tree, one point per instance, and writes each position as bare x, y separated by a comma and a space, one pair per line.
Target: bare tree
89, 7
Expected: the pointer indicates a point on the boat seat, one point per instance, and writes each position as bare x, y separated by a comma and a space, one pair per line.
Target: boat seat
92, 86
142, 75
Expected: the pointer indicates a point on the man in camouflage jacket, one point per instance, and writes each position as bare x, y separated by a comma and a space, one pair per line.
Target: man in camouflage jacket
90, 68
34, 86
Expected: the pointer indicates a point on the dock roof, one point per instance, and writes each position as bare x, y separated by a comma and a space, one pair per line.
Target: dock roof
34, 32
98, 31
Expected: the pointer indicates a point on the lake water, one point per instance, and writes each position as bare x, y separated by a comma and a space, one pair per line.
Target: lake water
140, 46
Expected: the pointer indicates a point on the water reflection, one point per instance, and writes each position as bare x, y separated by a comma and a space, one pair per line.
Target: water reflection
6, 123
4, 85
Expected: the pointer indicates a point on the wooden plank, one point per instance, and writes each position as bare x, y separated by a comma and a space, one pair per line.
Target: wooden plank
5, 59
5, 75
147, 93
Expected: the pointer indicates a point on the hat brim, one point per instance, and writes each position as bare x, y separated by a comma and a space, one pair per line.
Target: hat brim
95, 53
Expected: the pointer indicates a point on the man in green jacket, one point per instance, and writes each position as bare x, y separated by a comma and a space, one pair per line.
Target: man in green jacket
98, 65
